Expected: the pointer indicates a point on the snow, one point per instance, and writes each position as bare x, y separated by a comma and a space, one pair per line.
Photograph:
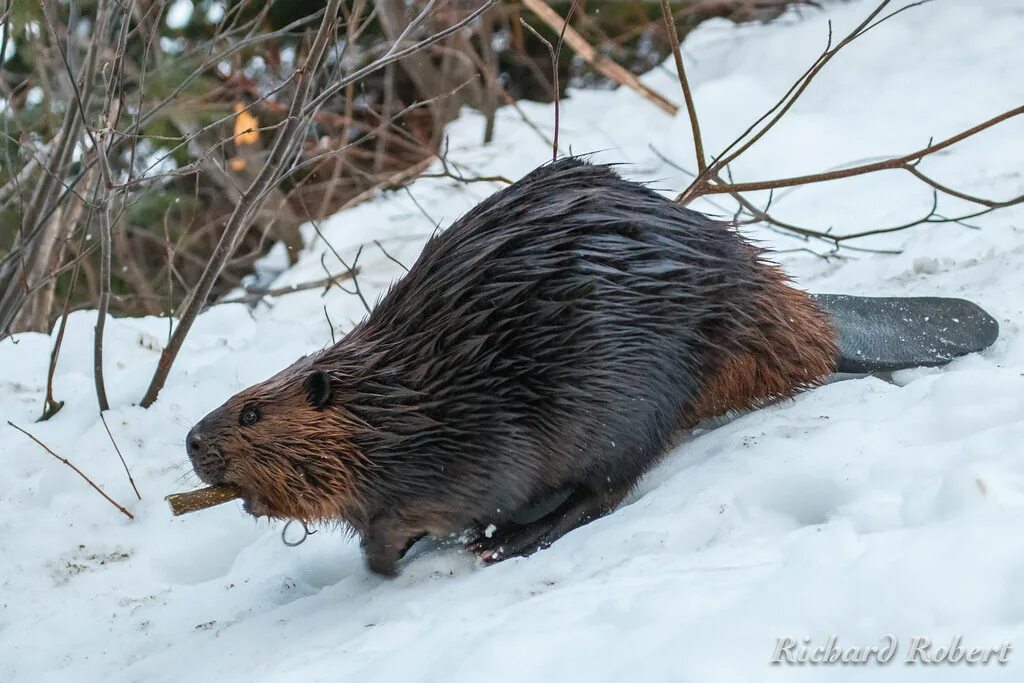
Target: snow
862, 508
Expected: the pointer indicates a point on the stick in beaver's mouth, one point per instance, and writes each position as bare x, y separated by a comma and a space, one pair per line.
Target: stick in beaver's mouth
193, 501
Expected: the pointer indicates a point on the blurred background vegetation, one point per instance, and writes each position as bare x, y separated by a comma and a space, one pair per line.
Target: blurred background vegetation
182, 98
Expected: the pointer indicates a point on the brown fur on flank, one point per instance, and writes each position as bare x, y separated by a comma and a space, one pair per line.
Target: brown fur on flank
789, 346
551, 341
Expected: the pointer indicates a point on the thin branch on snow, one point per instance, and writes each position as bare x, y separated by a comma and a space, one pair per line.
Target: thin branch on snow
121, 456
77, 471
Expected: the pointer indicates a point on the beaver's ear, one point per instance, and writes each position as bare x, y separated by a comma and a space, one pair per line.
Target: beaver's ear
318, 389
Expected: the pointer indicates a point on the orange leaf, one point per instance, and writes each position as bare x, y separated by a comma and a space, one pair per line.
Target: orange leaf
246, 127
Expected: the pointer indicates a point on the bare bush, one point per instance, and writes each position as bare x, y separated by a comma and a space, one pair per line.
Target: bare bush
709, 180
185, 161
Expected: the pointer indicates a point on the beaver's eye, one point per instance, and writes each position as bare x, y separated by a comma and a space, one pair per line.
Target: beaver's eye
249, 416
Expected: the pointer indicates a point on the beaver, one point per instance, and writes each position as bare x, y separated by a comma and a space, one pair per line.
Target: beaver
557, 339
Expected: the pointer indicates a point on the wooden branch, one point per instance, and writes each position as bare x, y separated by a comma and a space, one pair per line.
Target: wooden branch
193, 501
605, 66
79, 472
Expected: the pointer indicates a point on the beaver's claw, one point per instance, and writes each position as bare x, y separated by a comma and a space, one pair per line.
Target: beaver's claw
510, 540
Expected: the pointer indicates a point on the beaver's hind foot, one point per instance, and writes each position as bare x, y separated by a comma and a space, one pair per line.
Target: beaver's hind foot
512, 539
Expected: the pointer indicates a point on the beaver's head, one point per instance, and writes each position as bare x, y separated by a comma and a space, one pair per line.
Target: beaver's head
286, 444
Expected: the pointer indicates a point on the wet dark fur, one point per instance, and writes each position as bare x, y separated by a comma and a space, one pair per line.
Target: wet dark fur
555, 338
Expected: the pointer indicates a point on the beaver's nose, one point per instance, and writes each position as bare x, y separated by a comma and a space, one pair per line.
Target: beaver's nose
207, 460
194, 444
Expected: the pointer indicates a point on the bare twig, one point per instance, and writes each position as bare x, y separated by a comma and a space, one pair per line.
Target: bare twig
105, 13
52, 406
330, 325
418, 206
777, 112
554, 71
253, 294
79, 472
457, 175
355, 280
906, 162
450, 169
119, 455
487, 61
554, 75
389, 256
691, 109
101, 313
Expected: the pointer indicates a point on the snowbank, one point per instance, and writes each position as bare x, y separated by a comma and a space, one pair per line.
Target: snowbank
862, 508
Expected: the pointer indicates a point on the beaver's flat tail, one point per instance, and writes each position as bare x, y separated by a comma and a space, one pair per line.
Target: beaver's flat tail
879, 334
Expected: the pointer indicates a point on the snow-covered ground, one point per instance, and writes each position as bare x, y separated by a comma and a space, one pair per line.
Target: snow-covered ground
860, 509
